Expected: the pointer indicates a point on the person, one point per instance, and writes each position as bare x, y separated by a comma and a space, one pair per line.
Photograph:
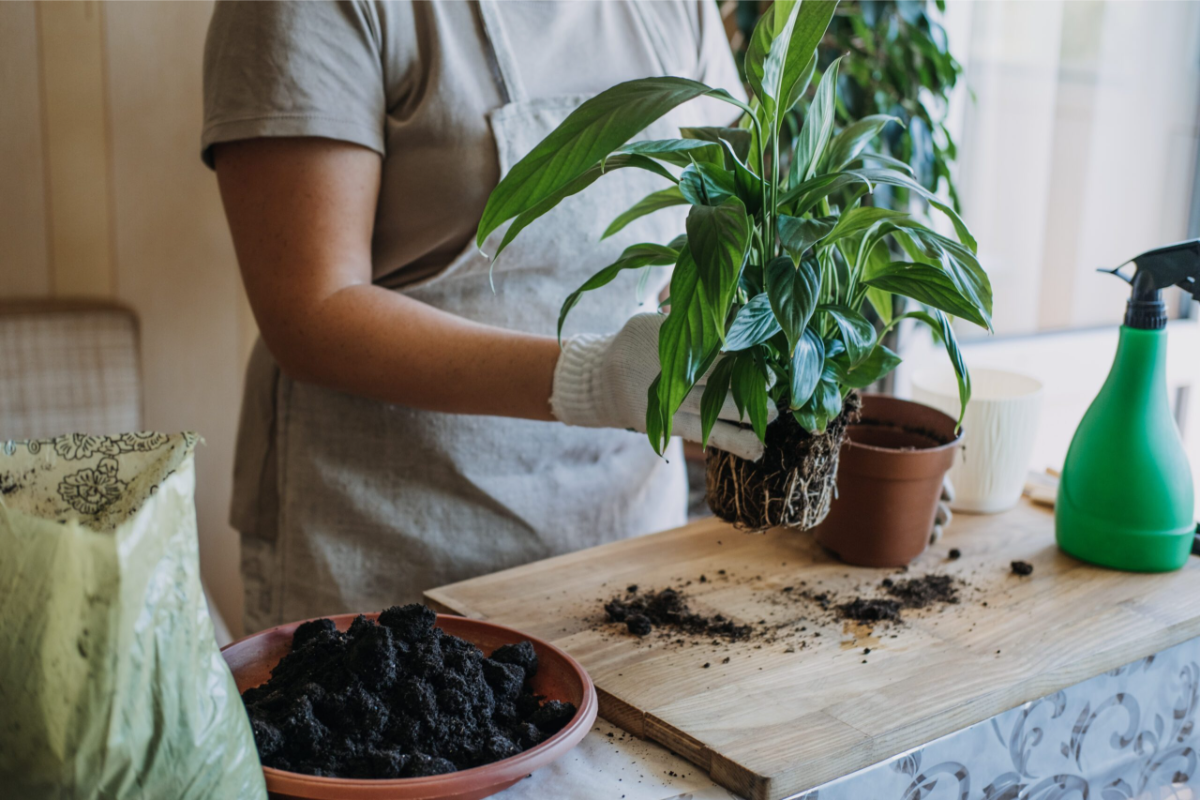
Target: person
403, 425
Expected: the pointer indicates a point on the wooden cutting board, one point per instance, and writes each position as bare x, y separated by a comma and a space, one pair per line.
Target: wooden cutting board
768, 719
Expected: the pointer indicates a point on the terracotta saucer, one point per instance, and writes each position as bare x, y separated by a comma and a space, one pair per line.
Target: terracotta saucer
559, 677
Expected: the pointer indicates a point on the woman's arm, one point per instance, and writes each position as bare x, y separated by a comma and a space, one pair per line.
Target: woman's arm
302, 211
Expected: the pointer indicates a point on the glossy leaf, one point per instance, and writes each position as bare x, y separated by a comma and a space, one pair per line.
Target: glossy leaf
827, 400
634, 257
818, 127
749, 386
707, 185
807, 363
878, 363
747, 182
782, 47
655, 201
754, 324
798, 234
793, 291
860, 219
930, 285
716, 389
894, 178
944, 332
589, 133
687, 343
856, 332
719, 239
590, 176
848, 143
680, 152
737, 138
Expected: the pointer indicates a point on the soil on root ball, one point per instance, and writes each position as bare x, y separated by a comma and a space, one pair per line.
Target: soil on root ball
398, 699
791, 485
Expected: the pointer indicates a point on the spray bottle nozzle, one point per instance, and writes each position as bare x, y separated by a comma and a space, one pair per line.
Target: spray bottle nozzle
1173, 265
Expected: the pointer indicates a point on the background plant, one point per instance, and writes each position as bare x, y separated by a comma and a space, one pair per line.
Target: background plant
780, 253
899, 63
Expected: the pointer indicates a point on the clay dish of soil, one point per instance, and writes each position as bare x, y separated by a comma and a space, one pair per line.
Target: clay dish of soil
559, 677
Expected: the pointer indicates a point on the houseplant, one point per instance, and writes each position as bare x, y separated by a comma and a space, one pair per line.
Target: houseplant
779, 258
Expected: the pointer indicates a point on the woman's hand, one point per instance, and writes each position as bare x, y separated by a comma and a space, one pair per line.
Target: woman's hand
603, 382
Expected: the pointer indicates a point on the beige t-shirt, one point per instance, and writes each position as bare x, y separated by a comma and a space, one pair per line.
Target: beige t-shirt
411, 80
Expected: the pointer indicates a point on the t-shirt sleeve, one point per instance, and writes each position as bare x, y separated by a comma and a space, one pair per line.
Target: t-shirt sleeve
293, 69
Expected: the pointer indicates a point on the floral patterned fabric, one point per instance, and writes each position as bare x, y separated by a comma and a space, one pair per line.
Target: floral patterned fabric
97, 480
1129, 733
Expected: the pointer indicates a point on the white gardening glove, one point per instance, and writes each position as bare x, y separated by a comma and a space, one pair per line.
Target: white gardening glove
602, 382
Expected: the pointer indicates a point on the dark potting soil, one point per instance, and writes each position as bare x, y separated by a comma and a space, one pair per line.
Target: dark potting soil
642, 612
862, 609
924, 591
1022, 568
397, 699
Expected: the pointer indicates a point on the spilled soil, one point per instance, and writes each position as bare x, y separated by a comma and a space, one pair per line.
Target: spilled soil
642, 612
397, 699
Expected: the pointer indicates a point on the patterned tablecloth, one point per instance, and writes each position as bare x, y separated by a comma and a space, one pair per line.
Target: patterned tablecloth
1124, 735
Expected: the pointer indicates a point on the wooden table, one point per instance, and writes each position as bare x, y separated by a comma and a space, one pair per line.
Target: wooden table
783, 716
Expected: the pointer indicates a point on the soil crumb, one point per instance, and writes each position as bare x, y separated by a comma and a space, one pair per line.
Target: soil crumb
1022, 568
924, 591
643, 611
955, 554
861, 609
397, 699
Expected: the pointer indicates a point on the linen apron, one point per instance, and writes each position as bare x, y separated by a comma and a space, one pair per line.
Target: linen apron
350, 504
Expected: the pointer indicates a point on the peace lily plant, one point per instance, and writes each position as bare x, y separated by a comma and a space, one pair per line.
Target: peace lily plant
779, 258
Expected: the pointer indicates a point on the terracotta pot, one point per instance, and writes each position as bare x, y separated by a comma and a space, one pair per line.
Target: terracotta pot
559, 677
889, 482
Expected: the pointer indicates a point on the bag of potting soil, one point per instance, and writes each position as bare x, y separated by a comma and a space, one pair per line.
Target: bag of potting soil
111, 684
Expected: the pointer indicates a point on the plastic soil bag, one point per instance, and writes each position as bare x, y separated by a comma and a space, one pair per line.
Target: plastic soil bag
111, 684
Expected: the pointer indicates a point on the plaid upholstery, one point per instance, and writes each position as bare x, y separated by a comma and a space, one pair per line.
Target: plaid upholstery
68, 366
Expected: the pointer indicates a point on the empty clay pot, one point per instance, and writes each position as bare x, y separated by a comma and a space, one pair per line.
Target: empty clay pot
889, 482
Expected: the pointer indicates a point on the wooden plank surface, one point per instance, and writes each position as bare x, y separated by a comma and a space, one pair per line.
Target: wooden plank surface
789, 712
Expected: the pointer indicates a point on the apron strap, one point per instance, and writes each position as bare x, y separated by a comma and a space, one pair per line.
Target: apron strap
500, 54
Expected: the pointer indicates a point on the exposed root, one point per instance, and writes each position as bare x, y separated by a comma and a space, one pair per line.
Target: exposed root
791, 486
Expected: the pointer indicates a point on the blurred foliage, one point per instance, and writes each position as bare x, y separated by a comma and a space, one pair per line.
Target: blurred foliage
900, 64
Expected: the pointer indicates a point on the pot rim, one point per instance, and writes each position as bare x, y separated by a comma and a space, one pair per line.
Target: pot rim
901, 451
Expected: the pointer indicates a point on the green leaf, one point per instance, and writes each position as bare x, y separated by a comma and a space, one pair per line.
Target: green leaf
857, 333
781, 48
707, 185
881, 301
850, 142
713, 399
749, 387
793, 291
748, 184
719, 239
807, 363
877, 364
930, 285
588, 134
828, 402
655, 201
797, 89
737, 138
859, 219
575, 186
818, 126
634, 257
944, 331
680, 152
798, 234
754, 324
803, 196
894, 178
687, 343
894, 163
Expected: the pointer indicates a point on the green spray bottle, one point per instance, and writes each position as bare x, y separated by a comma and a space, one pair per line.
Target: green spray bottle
1125, 498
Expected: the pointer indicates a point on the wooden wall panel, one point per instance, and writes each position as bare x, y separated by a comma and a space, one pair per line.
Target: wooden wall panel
71, 37
24, 261
175, 260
